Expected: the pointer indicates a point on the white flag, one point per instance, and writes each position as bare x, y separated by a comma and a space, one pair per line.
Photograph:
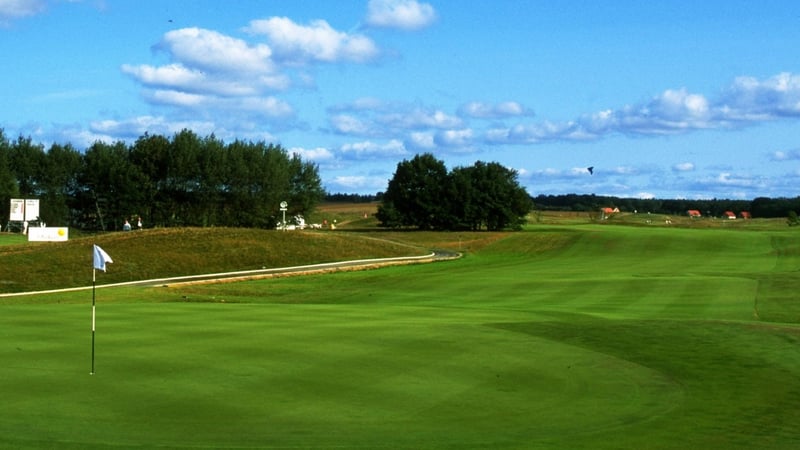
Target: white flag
101, 258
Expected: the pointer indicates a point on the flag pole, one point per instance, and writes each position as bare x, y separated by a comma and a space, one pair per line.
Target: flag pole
94, 283
99, 260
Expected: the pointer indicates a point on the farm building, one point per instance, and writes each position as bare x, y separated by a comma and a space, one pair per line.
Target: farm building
607, 212
693, 213
745, 215
729, 215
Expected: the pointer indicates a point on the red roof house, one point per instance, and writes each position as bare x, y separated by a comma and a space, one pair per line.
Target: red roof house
693, 213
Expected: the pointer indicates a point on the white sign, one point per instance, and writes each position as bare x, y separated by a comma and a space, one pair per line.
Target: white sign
31, 209
23, 209
17, 211
48, 234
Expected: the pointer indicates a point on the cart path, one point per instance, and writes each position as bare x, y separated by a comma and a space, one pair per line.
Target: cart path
244, 275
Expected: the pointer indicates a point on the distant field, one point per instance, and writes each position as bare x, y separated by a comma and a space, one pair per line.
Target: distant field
567, 335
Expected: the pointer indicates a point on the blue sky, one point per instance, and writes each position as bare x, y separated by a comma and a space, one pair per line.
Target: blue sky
673, 99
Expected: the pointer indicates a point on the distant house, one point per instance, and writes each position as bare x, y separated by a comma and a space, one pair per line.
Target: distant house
745, 215
606, 212
693, 213
730, 215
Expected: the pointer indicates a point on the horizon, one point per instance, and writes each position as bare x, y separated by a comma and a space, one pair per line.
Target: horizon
684, 100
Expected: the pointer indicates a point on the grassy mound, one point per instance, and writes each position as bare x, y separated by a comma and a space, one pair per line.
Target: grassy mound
161, 253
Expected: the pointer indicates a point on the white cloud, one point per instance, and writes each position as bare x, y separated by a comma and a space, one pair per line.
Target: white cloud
625, 170
751, 99
748, 101
421, 140
482, 110
212, 51
419, 118
318, 154
371, 150
137, 126
402, 14
788, 155
461, 138
357, 183
348, 124
683, 167
16, 9
298, 44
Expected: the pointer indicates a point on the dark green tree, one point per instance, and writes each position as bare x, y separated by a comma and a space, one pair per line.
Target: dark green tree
8, 182
27, 160
491, 197
424, 195
305, 186
58, 186
415, 194
110, 186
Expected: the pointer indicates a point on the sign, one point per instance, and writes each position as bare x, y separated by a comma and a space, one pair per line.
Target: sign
31, 209
17, 210
48, 234
23, 209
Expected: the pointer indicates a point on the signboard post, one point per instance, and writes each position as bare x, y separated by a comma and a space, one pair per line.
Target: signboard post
284, 206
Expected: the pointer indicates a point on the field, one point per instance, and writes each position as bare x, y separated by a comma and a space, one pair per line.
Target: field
566, 335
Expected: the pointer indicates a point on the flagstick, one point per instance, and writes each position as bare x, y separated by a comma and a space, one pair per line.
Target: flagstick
94, 278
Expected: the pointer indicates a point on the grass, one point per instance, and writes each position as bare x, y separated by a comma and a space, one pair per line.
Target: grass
583, 336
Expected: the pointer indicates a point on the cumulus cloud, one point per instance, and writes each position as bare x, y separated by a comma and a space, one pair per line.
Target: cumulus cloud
683, 167
373, 118
400, 14
421, 141
212, 74
316, 42
213, 51
747, 101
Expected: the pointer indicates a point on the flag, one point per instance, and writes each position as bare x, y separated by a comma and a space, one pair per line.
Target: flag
101, 258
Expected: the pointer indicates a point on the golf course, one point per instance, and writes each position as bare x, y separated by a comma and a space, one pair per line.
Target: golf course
569, 334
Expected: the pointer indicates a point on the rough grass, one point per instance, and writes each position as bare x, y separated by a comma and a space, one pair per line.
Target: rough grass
170, 252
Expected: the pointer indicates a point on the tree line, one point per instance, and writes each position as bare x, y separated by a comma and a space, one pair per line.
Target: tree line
423, 194
182, 179
764, 207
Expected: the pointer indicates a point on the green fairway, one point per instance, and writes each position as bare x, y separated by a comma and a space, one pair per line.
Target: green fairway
577, 337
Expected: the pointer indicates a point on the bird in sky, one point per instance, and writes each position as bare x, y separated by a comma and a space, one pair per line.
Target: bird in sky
591, 170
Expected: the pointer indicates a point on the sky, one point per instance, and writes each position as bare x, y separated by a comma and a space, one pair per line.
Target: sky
671, 99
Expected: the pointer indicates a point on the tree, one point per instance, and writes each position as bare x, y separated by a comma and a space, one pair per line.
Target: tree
8, 182
59, 184
490, 197
26, 160
110, 186
415, 194
305, 186
482, 196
